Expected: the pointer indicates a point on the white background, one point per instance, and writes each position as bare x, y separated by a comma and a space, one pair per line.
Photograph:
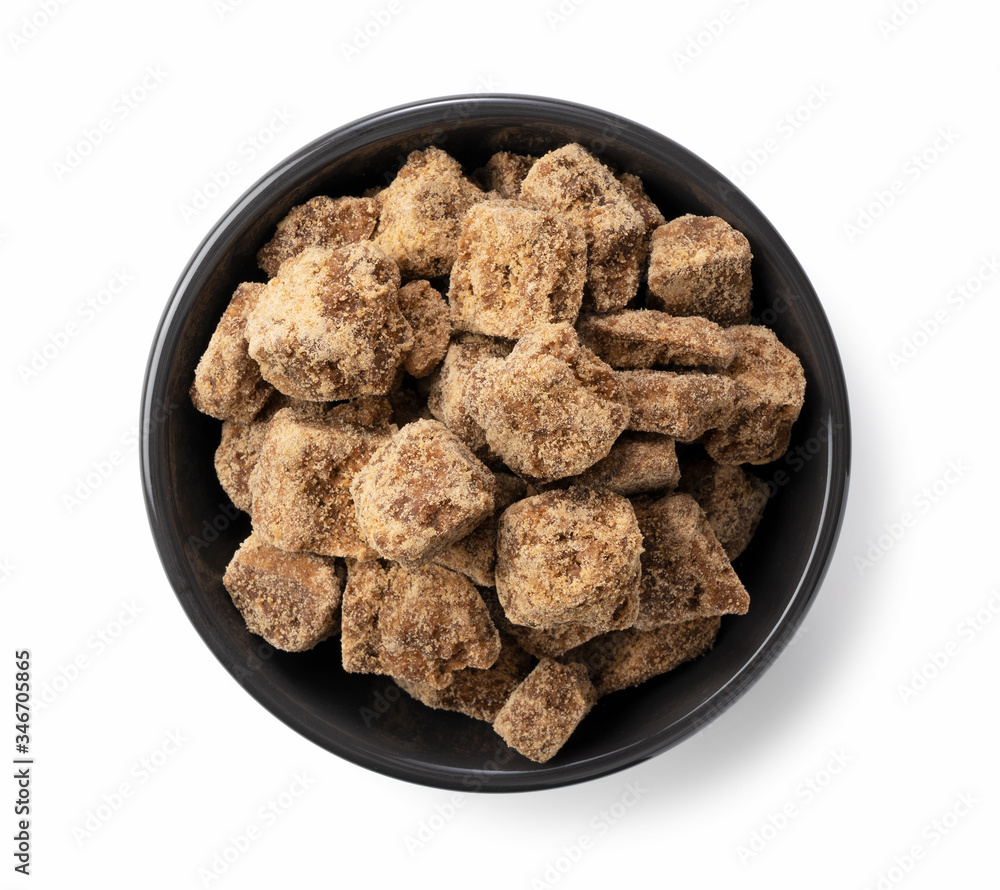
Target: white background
699, 815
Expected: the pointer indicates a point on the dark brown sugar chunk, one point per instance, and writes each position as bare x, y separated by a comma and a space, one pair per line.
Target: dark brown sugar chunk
420, 625
636, 191
770, 391
320, 222
328, 326
421, 211
625, 658
421, 492
732, 498
643, 338
700, 265
427, 314
236, 457
516, 267
543, 711
637, 462
551, 408
504, 172
292, 600
475, 554
478, 692
446, 399
227, 382
685, 571
576, 186
300, 486
682, 405
569, 557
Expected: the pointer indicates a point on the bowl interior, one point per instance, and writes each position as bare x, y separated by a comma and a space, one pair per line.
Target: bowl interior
366, 719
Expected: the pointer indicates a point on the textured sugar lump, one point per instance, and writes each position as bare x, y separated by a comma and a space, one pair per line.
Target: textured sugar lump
328, 326
422, 491
292, 600
682, 405
569, 556
733, 501
700, 265
420, 625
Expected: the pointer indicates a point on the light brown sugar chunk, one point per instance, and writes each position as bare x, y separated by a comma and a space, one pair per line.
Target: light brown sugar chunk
569, 557
770, 391
552, 642
227, 382
625, 658
420, 625
686, 573
427, 314
700, 265
421, 492
421, 211
292, 600
446, 399
682, 405
300, 485
475, 554
637, 462
504, 172
478, 692
733, 501
543, 711
517, 266
551, 408
645, 338
573, 184
328, 326
320, 222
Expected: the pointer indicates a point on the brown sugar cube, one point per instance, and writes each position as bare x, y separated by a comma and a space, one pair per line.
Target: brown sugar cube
504, 172
320, 222
516, 267
732, 498
236, 457
227, 382
328, 327
685, 571
642, 338
683, 405
576, 186
636, 191
478, 692
475, 554
421, 492
420, 625
551, 408
300, 485
637, 462
625, 658
700, 265
427, 314
292, 600
543, 711
446, 399
569, 557
420, 213
770, 391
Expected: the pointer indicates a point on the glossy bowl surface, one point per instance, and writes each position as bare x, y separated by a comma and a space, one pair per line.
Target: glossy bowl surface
366, 719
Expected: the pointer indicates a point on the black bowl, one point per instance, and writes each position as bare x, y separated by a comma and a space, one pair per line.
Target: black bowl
366, 719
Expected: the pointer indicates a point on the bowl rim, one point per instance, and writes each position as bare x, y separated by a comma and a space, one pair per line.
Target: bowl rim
154, 408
